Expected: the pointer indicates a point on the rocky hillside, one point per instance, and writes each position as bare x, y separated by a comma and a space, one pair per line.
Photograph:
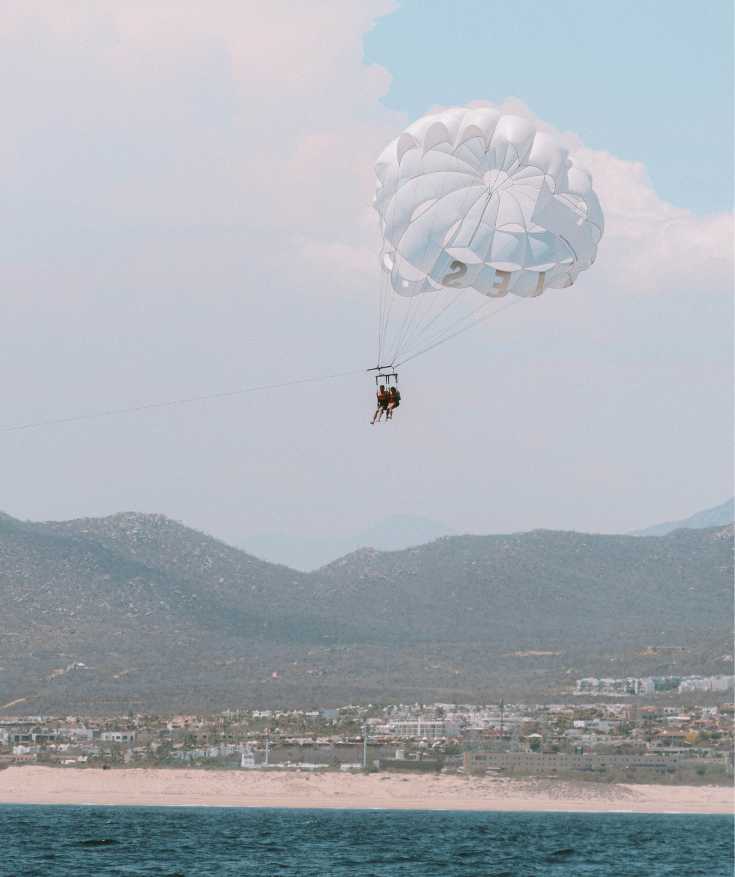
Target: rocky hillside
207, 582
544, 587
139, 611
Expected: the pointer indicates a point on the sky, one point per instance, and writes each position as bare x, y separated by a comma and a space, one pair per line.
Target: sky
644, 80
185, 210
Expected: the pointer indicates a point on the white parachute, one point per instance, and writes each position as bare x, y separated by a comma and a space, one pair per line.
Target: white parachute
471, 198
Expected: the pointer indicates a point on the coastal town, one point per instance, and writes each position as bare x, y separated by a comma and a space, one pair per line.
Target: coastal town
612, 742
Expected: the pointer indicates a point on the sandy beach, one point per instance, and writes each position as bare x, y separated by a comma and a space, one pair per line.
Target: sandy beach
161, 787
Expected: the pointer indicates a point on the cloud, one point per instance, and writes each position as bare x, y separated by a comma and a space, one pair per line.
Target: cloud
651, 245
184, 112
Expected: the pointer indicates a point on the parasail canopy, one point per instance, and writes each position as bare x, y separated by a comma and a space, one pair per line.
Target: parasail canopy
472, 200
472, 197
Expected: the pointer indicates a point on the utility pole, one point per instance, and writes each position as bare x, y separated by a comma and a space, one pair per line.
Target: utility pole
267, 746
364, 746
502, 708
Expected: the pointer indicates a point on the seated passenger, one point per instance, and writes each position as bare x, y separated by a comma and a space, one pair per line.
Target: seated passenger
382, 397
394, 400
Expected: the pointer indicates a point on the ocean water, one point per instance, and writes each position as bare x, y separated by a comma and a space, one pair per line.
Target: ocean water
168, 842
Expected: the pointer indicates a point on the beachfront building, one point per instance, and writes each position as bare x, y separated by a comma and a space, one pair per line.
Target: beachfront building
422, 729
120, 737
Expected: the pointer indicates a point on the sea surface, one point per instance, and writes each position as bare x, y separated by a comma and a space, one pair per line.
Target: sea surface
171, 841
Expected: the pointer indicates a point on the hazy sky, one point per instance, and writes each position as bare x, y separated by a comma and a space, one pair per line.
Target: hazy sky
185, 207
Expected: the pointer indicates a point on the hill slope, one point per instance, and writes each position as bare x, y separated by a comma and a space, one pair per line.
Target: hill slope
140, 611
543, 586
718, 516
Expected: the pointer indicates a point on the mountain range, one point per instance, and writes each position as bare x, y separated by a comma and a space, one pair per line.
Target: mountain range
394, 532
140, 612
718, 516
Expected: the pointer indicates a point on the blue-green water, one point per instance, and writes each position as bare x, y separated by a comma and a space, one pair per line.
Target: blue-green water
141, 841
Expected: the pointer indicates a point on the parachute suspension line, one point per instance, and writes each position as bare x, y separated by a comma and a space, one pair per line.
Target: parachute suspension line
464, 318
415, 314
432, 320
170, 403
382, 305
428, 306
380, 315
405, 327
395, 337
413, 307
383, 301
466, 321
443, 340
386, 298
390, 300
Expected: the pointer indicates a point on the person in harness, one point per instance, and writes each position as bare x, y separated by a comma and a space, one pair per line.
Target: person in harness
394, 400
382, 397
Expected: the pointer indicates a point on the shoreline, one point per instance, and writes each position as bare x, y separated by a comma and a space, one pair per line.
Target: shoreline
167, 787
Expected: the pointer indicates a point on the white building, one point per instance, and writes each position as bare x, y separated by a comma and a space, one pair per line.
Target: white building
707, 683
431, 729
626, 687
118, 736
247, 759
